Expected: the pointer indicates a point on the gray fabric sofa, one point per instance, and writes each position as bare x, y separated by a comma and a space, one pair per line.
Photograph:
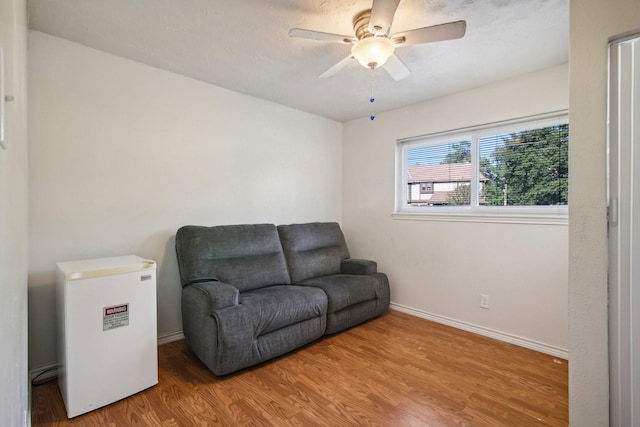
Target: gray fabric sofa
254, 292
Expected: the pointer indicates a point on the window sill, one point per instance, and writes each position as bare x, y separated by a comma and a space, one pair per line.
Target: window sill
558, 217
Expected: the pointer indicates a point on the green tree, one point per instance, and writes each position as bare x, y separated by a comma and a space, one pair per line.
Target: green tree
532, 164
461, 153
461, 196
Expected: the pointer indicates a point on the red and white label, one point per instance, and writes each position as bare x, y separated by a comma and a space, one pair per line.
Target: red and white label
115, 316
116, 309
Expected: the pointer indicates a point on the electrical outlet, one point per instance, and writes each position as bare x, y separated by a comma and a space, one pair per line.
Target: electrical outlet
484, 301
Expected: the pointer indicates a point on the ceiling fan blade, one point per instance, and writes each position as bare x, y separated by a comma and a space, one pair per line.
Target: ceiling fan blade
396, 68
334, 70
382, 12
318, 35
435, 33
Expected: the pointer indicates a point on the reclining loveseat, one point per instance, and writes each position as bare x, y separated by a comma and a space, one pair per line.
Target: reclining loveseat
254, 292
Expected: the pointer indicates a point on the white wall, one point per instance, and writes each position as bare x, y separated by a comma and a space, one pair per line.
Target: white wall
593, 24
441, 268
122, 155
14, 401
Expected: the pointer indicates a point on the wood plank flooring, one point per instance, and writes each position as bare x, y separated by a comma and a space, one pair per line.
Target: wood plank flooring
397, 370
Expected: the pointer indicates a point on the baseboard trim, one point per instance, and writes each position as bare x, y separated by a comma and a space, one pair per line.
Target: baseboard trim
487, 332
173, 336
46, 376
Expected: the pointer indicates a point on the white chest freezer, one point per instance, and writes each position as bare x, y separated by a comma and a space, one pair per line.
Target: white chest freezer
107, 332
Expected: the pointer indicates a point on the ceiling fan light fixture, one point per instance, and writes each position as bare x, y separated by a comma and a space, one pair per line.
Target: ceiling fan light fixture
372, 52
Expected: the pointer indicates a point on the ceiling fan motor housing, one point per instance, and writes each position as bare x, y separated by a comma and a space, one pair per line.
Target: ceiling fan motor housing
361, 25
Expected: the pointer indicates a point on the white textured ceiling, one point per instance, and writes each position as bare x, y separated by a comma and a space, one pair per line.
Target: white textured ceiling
243, 45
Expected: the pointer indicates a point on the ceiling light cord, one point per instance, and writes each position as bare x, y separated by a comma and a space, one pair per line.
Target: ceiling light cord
372, 99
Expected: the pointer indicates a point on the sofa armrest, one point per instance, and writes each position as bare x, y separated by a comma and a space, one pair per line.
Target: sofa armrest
358, 266
218, 295
204, 331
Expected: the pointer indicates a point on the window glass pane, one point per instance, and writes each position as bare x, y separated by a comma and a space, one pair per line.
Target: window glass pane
525, 168
439, 175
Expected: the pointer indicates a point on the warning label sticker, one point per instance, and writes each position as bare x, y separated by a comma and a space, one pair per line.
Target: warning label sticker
114, 317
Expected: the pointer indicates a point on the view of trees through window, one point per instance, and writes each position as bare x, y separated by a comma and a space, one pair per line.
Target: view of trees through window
522, 168
528, 168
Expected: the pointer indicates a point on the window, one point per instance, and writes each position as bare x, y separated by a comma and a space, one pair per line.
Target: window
515, 168
426, 188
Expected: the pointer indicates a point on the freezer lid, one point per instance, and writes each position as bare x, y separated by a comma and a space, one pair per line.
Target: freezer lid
83, 269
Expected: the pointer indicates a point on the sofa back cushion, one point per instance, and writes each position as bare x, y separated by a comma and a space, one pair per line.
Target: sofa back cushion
313, 250
245, 256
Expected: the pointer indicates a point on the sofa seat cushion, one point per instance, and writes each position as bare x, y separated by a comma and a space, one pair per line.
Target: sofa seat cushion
276, 307
345, 290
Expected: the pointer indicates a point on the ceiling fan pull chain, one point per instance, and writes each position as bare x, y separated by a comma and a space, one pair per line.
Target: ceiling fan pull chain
371, 98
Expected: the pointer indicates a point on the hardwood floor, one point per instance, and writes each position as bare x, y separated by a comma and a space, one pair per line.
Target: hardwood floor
397, 370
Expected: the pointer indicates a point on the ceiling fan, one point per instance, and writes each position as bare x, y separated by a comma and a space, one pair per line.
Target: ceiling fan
373, 47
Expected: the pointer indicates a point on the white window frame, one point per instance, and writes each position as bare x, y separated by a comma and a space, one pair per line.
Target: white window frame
555, 215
